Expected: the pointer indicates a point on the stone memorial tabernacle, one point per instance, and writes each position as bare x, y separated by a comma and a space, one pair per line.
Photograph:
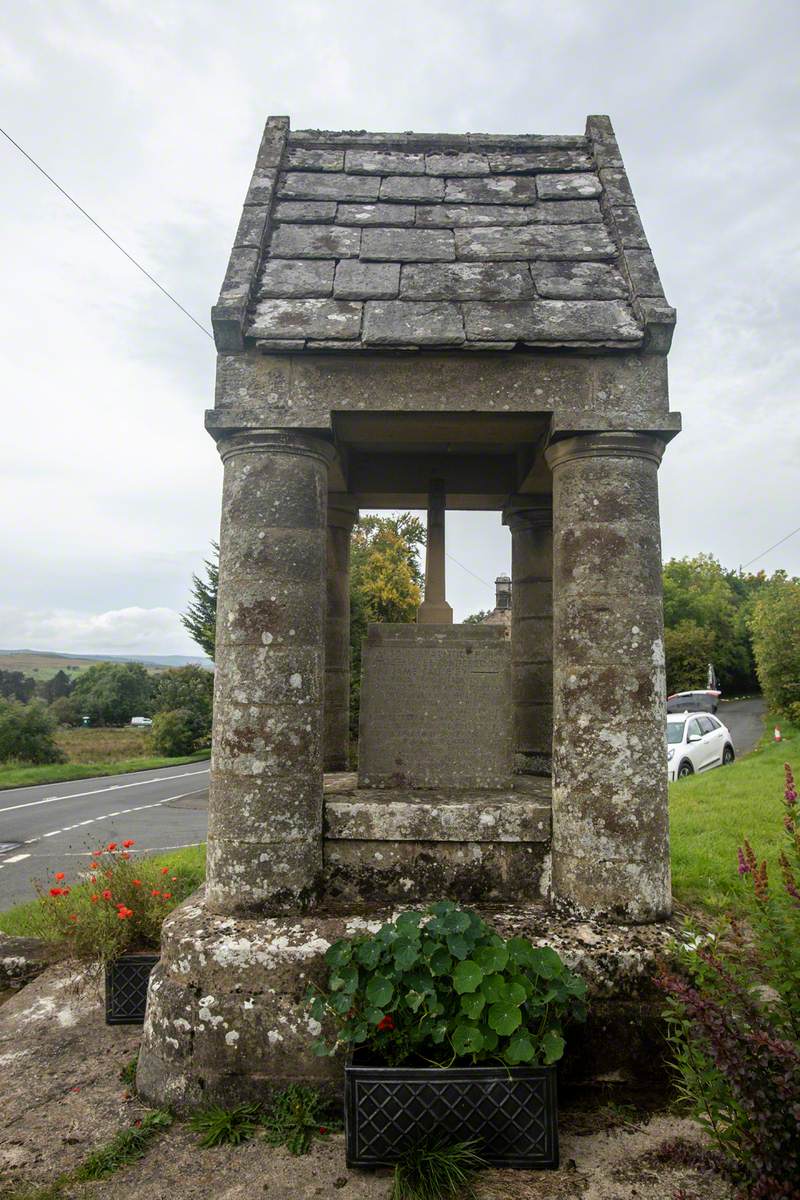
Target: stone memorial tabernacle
423, 321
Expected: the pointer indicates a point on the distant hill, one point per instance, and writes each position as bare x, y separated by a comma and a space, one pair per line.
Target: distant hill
43, 664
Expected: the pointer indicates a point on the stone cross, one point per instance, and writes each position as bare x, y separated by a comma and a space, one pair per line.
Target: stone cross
434, 609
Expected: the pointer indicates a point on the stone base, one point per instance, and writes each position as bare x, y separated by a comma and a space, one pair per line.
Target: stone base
226, 1019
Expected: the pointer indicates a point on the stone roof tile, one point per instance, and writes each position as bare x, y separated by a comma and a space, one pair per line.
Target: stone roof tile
355, 240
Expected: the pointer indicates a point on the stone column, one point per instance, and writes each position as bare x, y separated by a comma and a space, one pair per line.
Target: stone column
434, 609
530, 520
265, 807
342, 515
610, 818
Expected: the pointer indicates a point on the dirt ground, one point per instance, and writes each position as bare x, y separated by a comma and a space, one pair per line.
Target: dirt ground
61, 1097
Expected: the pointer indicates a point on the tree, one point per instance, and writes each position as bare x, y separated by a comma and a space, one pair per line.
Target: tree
16, 686
698, 590
53, 689
111, 693
200, 618
172, 732
689, 649
26, 734
66, 711
477, 618
190, 689
775, 626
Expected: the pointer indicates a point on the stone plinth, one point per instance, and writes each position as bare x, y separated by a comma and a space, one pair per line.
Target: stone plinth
435, 707
226, 1019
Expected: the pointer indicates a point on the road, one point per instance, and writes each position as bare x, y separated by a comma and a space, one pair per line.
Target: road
54, 827
745, 719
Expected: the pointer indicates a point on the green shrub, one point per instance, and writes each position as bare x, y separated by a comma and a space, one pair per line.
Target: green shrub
226, 1126
437, 1172
733, 1020
66, 711
26, 734
190, 689
441, 985
296, 1116
173, 732
775, 629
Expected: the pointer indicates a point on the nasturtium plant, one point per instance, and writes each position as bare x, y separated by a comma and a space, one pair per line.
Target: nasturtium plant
439, 985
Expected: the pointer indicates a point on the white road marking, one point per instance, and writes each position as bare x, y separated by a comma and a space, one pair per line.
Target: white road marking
97, 791
107, 816
15, 858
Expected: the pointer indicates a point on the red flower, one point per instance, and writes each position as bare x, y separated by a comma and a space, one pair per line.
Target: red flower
174, 878
165, 870
106, 894
128, 843
124, 912
111, 846
166, 895
67, 891
59, 874
93, 879
56, 891
155, 892
93, 866
386, 1024
322, 1129
136, 882
73, 917
94, 899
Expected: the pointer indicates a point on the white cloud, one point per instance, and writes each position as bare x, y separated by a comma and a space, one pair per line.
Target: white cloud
121, 631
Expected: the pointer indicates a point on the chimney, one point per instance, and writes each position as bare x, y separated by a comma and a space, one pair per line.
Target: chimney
502, 588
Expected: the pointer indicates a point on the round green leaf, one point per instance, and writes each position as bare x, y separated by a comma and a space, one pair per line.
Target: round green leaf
380, 991
341, 1003
406, 953
491, 958
339, 953
520, 1049
414, 1000
504, 1018
493, 988
408, 922
575, 985
490, 1038
319, 1048
458, 945
553, 1046
368, 954
472, 1004
520, 950
545, 961
440, 962
467, 1039
374, 1016
456, 922
360, 1033
514, 993
467, 976
441, 907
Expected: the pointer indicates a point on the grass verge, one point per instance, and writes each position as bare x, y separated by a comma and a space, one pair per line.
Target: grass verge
711, 815
22, 776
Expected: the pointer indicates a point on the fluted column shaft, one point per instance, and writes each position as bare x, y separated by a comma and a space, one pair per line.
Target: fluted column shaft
610, 817
265, 807
342, 515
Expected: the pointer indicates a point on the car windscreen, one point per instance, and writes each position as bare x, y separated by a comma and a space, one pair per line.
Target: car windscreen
675, 732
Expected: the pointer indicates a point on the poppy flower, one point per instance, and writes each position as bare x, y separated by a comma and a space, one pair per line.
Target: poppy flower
126, 845
174, 878
155, 892
123, 913
93, 866
165, 870
166, 895
106, 894
93, 879
56, 891
111, 846
59, 874
67, 891
136, 882
94, 899
73, 917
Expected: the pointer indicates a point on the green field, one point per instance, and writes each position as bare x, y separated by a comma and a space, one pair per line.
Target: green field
43, 666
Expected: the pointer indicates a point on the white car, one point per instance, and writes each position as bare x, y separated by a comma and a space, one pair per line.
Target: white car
696, 742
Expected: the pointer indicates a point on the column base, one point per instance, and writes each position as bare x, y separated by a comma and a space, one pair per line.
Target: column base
629, 892
227, 1022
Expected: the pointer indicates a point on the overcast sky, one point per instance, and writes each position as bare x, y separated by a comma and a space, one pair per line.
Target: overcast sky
150, 115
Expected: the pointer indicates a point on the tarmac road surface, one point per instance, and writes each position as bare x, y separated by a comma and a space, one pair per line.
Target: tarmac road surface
55, 826
745, 719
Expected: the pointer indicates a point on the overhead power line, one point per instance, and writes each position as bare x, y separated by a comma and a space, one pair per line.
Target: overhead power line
463, 568
105, 233
773, 547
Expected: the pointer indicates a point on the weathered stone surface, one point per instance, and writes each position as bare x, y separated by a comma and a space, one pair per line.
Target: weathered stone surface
342, 515
534, 161
499, 189
308, 212
435, 707
407, 245
450, 216
629, 226
315, 241
410, 187
578, 281
466, 281
552, 320
309, 185
579, 242
384, 162
617, 188
457, 164
397, 322
21, 960
282, 277
375, 214
568, 187
643, 273
306, 318
435, 817
299, 158
252, 224
366, 280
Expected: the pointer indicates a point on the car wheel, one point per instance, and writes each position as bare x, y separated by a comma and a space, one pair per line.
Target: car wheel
728, 755
685, 769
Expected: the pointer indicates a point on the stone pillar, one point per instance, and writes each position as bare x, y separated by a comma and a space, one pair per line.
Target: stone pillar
342, 515
530, 520
265, 806
610, 818
434, 609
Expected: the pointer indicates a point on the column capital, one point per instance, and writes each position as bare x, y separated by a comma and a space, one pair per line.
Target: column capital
528, 512
342, 510
273, 441
620, 444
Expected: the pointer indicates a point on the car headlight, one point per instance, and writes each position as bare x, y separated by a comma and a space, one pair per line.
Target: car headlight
670, 754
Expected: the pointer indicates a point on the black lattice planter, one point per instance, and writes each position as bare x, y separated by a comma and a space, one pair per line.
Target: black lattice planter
126, 988
511, 1112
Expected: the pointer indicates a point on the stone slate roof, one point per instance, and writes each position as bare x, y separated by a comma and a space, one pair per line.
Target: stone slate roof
376, 241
